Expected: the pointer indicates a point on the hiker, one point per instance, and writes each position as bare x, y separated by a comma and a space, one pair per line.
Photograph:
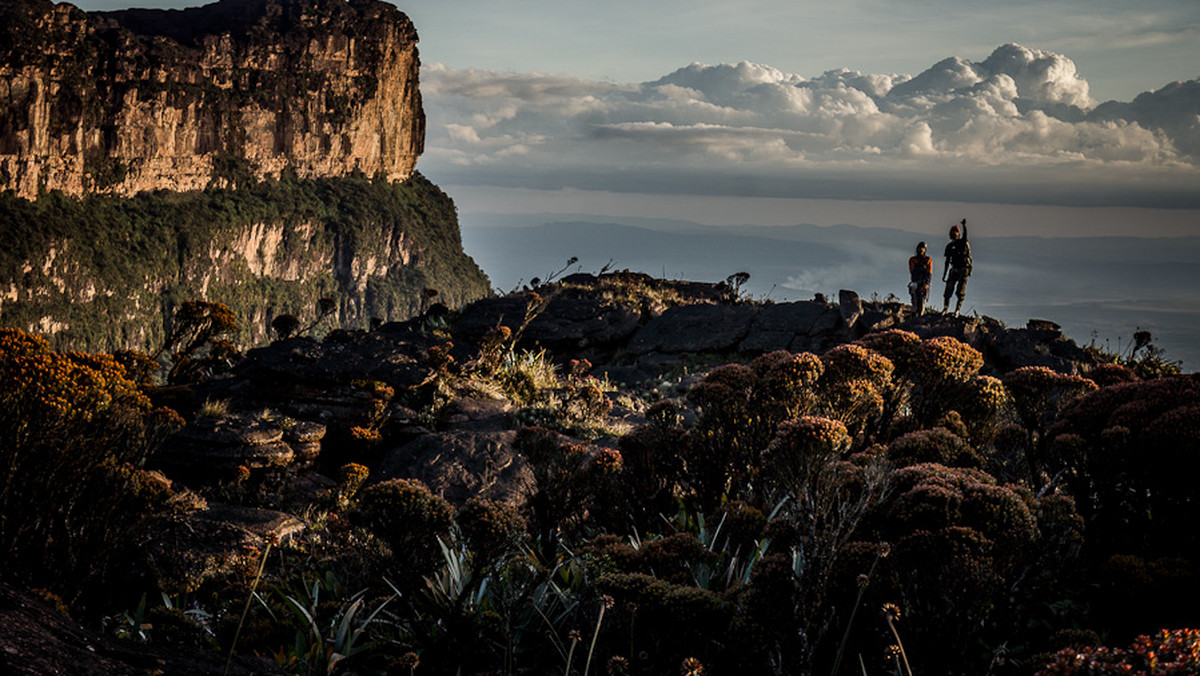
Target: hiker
957, 267
920, 271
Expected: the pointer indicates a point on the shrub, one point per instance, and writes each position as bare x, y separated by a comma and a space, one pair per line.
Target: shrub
1111, 374
1039, 393
197, 325
688, 620
1165, 653
285, 325
855, 387
563, 488
73, 432
490, 527
410, 519
937, 445
1129, 450
803, 449
787, 382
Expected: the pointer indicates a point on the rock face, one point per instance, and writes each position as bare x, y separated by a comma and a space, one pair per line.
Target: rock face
107, 272
135, 100
255, 153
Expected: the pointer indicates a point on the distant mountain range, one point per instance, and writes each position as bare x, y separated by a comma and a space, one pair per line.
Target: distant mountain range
1097, 288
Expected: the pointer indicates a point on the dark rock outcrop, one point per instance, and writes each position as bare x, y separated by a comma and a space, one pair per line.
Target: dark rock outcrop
695, 328
37, 639
218, 446
183, 551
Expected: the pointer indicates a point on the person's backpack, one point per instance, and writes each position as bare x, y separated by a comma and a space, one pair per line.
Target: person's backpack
960, 255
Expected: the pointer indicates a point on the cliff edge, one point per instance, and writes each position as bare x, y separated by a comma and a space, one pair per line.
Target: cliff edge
135, 100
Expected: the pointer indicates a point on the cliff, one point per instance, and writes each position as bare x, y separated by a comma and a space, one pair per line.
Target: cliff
122, 102
104, 272
256, 153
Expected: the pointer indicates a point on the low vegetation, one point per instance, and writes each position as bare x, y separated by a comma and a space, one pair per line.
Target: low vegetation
888, 506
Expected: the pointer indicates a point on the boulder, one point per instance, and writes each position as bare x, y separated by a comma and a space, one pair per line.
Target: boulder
459, 465
800, 326
850, 306
211, 448
184, 551
305, 439
695, 328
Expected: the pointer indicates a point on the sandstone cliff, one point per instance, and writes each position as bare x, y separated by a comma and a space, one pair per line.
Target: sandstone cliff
121, 102
257, 153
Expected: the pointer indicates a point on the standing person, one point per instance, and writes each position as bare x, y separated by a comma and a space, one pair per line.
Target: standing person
920, 271
957, 267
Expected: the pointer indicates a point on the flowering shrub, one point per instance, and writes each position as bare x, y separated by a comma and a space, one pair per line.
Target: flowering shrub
565, 481
941, 372
944, 359
982, 403
1130, 453
741, 524
897, 345
854, 385
1039, 393
1165, 653
73, 431
1111, 374
670, 558
351, 477
846, 363
688, 620
787, 382
653, 456
931, 496
802, 449
936, 445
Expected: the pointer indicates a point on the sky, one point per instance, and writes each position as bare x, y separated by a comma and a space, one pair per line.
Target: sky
1057, 117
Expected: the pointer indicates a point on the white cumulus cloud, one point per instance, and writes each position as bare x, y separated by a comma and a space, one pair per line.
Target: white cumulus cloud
1018, 125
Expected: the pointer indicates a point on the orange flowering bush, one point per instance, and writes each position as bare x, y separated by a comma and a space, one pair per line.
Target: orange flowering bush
855, 386
787, 382
940, 370
945, 359
982, 404
897, 345
1111, 374
1166, 653
803, 449
1039, 393
935, 445
73, 431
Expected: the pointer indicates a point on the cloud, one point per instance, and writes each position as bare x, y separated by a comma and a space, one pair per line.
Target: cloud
1018, 126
